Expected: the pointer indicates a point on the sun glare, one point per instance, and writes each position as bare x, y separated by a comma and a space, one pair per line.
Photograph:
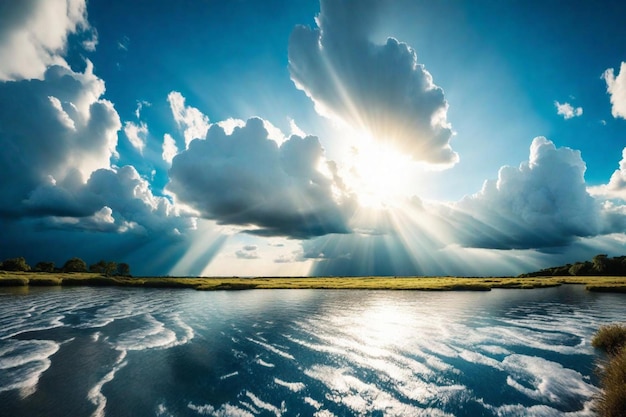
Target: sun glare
379, 174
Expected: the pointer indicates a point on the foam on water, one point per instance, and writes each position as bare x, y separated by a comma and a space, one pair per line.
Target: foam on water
292, 386
338, 354
22, 363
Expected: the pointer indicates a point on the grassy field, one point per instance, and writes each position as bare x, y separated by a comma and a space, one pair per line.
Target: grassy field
600, 284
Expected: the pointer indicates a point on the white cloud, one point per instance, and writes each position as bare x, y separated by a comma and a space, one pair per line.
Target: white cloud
230, 124
543, 202
247, 179
61, 128
616, 187
191, 120
616, 87
567, 110
33, 35
169, 148
137, 134
375, 88
248, 252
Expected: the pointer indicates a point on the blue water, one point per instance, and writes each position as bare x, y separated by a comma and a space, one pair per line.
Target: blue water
143, 352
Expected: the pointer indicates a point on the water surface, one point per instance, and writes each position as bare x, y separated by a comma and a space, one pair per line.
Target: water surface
161, 352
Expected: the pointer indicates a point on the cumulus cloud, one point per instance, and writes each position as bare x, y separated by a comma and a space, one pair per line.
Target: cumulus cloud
542, 203
112, 200
169, 148
247, 179
377, 88
616, 87
567, 110
53, 130
33, 35
137, 134
616, 187
190, 120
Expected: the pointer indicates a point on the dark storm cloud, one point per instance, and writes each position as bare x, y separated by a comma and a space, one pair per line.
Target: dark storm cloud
378, 88
248, 180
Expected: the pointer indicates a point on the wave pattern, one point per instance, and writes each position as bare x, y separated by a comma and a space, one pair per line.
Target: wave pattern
145, 352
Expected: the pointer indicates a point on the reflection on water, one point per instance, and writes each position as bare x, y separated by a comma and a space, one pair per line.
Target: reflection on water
142, 352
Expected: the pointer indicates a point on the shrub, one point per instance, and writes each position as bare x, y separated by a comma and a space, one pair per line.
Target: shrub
75, 265
611, 338
612, 400
15, 264
44, 267
123, 269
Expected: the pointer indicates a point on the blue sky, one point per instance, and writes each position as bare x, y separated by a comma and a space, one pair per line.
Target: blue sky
203, 137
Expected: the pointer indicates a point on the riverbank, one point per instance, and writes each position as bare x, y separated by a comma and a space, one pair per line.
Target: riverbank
598, 284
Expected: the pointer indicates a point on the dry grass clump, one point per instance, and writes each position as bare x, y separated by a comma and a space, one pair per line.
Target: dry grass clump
610, 338
612, 400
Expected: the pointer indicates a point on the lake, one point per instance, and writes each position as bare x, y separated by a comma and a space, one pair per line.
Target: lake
164, 352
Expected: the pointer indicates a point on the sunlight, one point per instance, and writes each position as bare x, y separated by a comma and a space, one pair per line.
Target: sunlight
379, 174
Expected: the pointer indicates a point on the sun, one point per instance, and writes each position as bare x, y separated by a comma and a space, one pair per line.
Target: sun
379, 174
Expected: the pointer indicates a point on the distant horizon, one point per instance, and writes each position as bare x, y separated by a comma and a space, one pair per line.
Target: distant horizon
313, 138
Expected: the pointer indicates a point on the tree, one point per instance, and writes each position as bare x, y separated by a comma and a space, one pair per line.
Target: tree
99, 267
123, 269
15, 264
600, 263
110, 268
44, 266
75, 265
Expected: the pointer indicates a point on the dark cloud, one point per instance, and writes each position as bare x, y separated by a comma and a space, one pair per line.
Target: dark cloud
542, 203
248, 180
378, 88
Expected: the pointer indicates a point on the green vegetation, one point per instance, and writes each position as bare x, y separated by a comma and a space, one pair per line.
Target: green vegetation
612, 400
366, 283
600, 265
73, 265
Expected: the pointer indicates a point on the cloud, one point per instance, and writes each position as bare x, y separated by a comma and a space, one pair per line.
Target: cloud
137, 135
616, 87
112, 200
33, 35
542, 203
193, 123
169, 148
247, 179
567, 111
376, 88
53, 130
247, 252
616, 187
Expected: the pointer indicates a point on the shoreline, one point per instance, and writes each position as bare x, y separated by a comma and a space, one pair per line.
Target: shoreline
592, 283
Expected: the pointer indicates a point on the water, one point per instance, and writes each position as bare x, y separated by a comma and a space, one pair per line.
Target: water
143, 352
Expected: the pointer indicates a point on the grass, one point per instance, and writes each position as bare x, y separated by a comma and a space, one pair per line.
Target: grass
612, 400
607, 284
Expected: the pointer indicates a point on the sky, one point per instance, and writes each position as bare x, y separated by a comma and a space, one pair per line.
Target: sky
306, 137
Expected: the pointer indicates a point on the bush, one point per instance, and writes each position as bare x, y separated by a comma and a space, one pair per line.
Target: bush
612, 400
611, 338
44, 267
15, 264
123, 269
75, 265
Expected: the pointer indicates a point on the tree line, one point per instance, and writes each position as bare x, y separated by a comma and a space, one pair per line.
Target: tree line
600, 265
108, 268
